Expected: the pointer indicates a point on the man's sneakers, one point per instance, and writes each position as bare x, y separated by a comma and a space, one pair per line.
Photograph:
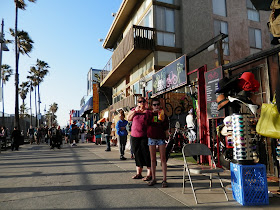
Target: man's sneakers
107, 150
122, 158
73, 145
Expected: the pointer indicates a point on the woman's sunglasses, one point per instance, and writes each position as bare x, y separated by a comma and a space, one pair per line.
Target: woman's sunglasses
141, 102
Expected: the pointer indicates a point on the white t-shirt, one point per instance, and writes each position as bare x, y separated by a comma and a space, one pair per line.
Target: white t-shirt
189, 120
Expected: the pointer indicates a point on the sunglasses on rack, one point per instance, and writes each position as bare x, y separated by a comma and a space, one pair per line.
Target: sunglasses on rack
240, 149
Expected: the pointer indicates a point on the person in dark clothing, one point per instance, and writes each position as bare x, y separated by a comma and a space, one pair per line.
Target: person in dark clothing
53, 137
59, 136
74, 130
16, 136
107, 132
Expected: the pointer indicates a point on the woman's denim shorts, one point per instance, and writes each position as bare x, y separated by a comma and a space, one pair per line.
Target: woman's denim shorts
156, 142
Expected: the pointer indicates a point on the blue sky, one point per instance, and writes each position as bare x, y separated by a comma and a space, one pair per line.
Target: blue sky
66, 35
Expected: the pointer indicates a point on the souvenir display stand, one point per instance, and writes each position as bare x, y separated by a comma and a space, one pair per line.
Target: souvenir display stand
243, 139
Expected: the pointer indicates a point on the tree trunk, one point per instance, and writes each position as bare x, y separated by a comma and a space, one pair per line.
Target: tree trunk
39, 103
30, 106
16, 119
3, 115
35, 106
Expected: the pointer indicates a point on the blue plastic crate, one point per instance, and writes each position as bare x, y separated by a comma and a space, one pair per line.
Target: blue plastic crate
249, 184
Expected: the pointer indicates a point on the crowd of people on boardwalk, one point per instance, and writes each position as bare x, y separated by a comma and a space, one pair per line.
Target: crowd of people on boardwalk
147, 127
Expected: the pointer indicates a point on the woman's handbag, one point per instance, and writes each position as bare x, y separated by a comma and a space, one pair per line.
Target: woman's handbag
269, 122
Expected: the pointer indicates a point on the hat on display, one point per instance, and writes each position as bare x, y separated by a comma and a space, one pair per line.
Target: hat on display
222, 101
227, 84
243, 96
226, 131
248, 82
253, 108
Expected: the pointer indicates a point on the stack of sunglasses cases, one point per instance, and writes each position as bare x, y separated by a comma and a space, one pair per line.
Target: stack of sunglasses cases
243, 137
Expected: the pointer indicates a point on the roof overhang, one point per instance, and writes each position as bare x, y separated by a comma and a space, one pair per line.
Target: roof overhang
117, 26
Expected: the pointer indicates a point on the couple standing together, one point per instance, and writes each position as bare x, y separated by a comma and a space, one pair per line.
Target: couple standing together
147, 132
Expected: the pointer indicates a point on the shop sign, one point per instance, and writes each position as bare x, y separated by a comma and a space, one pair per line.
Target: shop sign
95, 98
170, 77
212, 78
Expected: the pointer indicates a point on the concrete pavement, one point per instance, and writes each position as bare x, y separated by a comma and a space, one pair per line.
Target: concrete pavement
87, 177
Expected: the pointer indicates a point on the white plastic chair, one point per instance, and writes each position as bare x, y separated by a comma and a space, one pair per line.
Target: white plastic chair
190, 150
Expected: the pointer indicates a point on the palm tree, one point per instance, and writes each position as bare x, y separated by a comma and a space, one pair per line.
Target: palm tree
19, 4
23, 46
42, 71
32, 85
6, 72
53, 109
23, 90
23, 111
33, 77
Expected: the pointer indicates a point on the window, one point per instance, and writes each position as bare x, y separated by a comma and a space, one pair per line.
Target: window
136, 88
147, 20
167, 1
222, 27
219, 7
255, 38
165, 23
253, 14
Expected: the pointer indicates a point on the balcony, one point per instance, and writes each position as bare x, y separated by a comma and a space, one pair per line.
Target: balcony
138, 43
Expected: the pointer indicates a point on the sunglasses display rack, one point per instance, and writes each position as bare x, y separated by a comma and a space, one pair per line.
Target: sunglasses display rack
243, 139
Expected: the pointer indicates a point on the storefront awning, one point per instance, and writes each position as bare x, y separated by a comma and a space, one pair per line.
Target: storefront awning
101, 120
86, 109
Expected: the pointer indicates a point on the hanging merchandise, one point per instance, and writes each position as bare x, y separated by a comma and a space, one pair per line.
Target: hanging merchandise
248, 82
269, 122
244, 139
274, 22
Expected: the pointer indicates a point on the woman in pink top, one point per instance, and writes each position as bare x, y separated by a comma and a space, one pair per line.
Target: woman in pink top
138, 116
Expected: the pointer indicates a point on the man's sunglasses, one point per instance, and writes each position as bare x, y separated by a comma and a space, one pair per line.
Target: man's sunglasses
155, 104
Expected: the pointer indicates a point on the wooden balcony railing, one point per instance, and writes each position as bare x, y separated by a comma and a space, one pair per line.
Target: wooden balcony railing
137, 38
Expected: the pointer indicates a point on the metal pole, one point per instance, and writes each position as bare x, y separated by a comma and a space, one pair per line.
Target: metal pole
2, 29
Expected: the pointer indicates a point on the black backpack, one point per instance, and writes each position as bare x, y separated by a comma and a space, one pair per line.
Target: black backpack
53, 132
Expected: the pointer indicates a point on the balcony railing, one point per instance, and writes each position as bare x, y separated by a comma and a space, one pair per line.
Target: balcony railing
137, 38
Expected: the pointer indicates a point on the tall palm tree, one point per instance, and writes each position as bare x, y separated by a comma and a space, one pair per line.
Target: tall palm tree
24, 45
42, 71
31, 88
53, 109
23, 111
23, 90
33, 77
19, 4
6, 72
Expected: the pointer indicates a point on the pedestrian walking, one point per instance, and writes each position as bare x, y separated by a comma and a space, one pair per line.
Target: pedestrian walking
67, 135
122, 134
107, 132
157, 127
83, 133
138, 116
74, 130
59, 136
16, 138
30, 134
97, 133
53, 137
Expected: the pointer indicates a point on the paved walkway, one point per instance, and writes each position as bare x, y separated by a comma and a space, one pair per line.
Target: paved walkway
87, 177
